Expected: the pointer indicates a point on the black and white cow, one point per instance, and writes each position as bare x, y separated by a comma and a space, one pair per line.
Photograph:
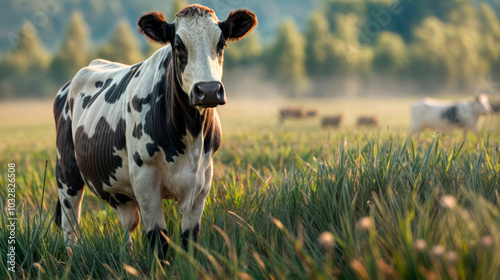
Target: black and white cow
445, 115
136, 135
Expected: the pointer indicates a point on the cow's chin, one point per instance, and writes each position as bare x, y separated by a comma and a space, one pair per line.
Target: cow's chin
204, 106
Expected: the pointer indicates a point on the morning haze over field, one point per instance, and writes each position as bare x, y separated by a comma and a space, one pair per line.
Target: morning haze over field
318, 175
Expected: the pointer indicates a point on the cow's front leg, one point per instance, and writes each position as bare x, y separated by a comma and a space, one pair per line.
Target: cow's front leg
191, 218
147, 190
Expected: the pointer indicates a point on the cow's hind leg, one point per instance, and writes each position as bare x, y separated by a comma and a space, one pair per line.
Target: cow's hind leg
128, 214
70, 188
70, 183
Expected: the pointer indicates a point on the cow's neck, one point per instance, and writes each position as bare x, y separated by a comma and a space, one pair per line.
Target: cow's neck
184, 118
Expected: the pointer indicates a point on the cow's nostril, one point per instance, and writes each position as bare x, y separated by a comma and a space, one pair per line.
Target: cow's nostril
220, 93
199, 92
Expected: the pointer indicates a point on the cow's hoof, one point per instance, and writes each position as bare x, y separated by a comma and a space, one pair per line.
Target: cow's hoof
185, 236
158, 239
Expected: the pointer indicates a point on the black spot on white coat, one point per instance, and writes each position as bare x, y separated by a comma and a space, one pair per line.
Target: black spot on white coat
96, 155
451, 115
116, 91
88, 100
137, 159
137, 102
137, 131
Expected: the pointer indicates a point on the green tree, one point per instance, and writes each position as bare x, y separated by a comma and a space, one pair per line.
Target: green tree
348, 55
123, 47
248, 51
28, 55
490, 29
319, 45
390, 54
75, 51
428, 54
23, 71
287, 57
177, 5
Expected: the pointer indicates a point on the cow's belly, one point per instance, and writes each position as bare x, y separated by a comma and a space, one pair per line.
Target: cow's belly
100, 150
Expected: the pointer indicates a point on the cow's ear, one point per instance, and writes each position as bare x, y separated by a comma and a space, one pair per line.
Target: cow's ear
154, 26
238, 24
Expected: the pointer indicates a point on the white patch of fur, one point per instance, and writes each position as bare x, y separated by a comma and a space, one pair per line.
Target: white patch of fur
200, 35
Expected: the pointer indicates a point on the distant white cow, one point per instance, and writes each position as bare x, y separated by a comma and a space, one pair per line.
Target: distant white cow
447, 115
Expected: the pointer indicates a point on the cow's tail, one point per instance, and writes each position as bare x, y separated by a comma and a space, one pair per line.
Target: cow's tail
58, 215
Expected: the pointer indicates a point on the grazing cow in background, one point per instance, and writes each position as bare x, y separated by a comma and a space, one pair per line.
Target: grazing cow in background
332, 121
367, 121
444, 115
311, 113
292, 113
136, 135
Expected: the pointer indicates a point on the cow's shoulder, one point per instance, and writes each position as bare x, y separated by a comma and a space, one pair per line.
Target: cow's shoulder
103, 79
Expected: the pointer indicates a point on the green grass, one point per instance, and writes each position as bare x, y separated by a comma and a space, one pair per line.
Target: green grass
383, 196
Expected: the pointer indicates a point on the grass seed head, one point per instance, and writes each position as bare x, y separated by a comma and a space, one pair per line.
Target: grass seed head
130, 270
327, 241
363, 224
359, 269
451, 256
487, 240
420, 244
37, 267
438, 250
448, 202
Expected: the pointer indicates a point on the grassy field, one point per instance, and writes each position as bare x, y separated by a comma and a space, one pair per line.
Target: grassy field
288, 201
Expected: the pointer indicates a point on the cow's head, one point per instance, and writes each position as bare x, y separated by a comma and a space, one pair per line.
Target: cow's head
198, 39
482, 104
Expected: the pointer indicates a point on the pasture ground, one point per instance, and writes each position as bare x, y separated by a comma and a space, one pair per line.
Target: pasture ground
396, 208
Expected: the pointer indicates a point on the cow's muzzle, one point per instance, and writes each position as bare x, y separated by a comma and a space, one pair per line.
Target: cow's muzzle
208, 94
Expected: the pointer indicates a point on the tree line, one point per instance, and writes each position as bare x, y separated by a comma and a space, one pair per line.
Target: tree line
436, 45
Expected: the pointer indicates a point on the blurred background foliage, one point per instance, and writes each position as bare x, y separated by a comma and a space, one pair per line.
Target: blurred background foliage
412, 47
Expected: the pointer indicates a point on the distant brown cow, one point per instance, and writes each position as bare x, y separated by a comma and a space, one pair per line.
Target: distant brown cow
368, 120
292, 113
332, 121
311, 113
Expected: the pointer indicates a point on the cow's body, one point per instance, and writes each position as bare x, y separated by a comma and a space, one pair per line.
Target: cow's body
445, 116
331, 121
367, 121
292, 113
133, 135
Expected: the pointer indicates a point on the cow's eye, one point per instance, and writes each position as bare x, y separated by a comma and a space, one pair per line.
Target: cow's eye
180, 49
221, 45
